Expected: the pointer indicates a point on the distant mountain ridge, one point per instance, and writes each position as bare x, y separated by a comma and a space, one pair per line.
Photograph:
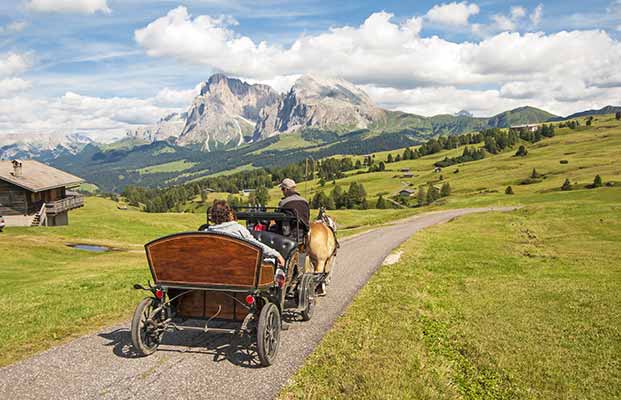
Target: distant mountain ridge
601, 111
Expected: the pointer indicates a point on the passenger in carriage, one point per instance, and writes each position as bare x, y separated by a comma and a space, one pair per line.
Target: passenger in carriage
223, 216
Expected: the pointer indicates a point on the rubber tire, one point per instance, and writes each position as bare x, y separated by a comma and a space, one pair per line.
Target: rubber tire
308, 284
142, 348
268, 312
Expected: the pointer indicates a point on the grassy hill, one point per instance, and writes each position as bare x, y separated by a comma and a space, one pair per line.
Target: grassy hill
588, 152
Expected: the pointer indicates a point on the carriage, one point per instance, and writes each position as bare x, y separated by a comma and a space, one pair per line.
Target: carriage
202, 279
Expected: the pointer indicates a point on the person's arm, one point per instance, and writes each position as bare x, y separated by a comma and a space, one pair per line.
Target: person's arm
267, 250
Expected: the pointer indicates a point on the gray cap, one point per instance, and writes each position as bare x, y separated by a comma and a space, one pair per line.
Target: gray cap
287, 183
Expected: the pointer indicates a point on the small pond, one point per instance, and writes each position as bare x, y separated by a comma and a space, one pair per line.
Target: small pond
90, 247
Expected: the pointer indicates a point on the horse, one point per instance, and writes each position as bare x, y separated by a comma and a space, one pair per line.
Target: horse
322, 246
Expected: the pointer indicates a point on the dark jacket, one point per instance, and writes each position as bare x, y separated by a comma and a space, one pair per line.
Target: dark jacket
300, 205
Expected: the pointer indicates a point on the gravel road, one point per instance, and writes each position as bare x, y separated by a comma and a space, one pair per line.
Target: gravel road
193, 365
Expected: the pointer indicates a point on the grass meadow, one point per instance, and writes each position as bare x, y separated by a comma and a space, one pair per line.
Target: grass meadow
520, 305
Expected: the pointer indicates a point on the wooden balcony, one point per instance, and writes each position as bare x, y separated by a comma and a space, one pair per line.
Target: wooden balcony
64, 205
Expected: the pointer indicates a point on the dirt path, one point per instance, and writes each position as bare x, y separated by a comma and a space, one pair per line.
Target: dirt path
194, 365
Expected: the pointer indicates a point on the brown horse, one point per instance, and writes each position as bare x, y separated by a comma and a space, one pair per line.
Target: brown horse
322, 245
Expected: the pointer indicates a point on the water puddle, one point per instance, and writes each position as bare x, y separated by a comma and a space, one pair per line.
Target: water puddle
90, 247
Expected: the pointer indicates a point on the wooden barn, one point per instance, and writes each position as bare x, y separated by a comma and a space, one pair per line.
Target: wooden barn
35, 194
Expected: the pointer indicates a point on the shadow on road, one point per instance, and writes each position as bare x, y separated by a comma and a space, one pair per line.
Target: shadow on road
240, 351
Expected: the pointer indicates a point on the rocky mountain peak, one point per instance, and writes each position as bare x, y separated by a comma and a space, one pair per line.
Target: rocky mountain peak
225, 112
318, 102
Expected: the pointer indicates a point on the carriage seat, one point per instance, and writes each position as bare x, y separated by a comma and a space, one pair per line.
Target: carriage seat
280, 243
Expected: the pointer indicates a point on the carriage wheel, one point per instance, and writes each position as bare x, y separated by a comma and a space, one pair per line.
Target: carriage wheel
145, 338
308, 286
268, 334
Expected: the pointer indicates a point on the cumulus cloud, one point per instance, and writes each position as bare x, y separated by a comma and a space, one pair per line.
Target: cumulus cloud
453, 14
176, 98
102, 118
13, 64
386, 53
11, 86
449, 99
69, 6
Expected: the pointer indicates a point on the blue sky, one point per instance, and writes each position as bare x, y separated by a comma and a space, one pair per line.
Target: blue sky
106, 56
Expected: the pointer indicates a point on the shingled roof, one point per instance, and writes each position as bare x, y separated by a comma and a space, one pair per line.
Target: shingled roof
36, 176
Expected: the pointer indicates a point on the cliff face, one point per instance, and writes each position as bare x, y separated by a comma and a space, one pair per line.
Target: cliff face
319, 103
225, 112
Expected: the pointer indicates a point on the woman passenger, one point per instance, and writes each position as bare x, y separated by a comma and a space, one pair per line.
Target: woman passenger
223, 216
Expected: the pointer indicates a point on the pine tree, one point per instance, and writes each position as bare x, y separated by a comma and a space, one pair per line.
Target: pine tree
421, 197
382, 166
381, 203
445, 191
337, 197
618, 115
433, 194
389, 159
509, 190
262, 195
566, 185
534, 174
597, 182
398, 158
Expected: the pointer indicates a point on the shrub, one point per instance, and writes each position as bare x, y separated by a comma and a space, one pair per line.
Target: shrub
381, 203
564, 162
566, 185
535, 174
597, 182
445, 191
522, 152
509, 190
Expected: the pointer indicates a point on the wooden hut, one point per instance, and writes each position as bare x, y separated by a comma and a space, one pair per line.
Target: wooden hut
35, 194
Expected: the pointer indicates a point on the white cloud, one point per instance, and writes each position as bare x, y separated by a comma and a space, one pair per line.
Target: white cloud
13, 64
10, 86
102, 118
535, 17
453, 14
385, 53
178, 98
69, 6
484, 103
13, 27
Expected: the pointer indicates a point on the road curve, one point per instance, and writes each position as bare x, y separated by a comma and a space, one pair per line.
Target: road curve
195, 365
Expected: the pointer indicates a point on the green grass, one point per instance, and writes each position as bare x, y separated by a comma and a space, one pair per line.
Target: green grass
51, 292
286, 142
502, 306
589, 151
173, 166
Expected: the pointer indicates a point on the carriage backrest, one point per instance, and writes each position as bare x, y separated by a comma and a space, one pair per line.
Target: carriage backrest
204, 259
280, 243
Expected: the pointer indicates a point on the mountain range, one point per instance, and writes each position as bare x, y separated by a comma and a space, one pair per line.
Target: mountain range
232, 123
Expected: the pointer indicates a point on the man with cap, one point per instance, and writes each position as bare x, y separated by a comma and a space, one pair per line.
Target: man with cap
293, 201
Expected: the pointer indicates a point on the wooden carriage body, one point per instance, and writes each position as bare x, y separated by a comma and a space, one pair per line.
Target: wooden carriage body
211, 273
